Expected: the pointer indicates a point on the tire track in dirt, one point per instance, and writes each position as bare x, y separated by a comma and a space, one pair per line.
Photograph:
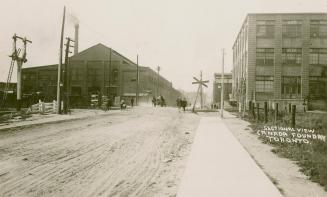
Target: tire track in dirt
96, 158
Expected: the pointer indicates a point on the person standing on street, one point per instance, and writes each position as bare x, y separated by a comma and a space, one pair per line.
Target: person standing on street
122, 104
132, 101
184, 104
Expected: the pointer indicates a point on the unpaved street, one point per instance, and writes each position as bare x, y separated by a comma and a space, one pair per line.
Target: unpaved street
139, 152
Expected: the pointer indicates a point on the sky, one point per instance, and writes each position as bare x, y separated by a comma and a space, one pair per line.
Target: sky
183, 37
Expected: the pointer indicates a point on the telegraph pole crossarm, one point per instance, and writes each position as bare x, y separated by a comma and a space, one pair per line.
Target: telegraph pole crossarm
65, 76
20, 60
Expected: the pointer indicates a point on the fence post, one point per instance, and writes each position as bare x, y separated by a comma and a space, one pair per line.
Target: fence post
253, 112
250, 109
266, 111
293, 115
54, 106
40, 106
276, 112
43, 107
258, 112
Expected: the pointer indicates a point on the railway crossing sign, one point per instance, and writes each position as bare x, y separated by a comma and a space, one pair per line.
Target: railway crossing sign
201, 83
197, 81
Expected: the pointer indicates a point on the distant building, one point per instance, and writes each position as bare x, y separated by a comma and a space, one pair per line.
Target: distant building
99, 70
217, 87
10, 98
281, 58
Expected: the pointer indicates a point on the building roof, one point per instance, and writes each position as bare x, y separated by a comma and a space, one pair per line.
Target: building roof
229, 75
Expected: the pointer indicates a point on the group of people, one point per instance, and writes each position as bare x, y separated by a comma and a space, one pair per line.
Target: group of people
181, 103
159, 101
123, 104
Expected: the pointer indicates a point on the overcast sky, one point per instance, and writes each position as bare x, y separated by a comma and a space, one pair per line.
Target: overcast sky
181, 36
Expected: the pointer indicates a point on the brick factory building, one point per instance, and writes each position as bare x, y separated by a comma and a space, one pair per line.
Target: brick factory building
281, 58
99, 70
217, 88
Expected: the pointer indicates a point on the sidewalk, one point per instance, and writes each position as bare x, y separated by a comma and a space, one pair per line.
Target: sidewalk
219, 166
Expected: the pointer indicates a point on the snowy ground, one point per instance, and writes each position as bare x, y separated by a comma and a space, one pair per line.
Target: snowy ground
138, 152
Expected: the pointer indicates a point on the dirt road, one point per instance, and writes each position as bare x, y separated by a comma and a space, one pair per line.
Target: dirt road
141, 152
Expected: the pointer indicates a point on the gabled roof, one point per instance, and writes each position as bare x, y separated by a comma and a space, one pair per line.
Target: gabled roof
100, 52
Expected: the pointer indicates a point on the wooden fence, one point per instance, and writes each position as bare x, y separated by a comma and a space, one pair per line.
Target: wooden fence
274, 114
43, 108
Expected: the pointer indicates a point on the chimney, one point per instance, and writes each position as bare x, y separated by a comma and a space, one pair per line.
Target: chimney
76, 39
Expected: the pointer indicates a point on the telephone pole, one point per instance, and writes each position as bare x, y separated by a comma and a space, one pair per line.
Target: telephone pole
20, 61
222, 88
158, 69
65, 76
60, 64
137, 80
201, 92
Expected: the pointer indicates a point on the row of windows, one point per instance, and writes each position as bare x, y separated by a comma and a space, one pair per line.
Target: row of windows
317, 87
265, 57
264, 84
318, 57
92, 75
291, 56
318, 28
290, 84
291, 28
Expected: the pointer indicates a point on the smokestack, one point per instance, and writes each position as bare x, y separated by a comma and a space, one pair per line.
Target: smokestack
76, 39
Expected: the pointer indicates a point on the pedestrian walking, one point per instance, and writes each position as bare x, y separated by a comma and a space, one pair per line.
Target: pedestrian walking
179, 103
132, 102
108, 104
162, 101
154, 101
122, 104
184, 104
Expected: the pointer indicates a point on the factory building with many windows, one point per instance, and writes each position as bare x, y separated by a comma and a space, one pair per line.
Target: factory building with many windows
281, 58
99, 70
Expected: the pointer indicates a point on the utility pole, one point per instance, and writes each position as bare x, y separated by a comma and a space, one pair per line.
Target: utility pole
158, 69
20, 61
222, 88
137, 80
109, 74
201, 92
65, 76
60, 63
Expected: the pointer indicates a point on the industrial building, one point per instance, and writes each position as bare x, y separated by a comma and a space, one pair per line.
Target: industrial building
99, 70
281, 58
217, 87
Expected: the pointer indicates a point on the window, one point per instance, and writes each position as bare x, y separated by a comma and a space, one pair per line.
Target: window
318, 28
318, 56
114, 75
292, 56
292, 29
265, 57
316, 87
291, 85
265, 29
264, 84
